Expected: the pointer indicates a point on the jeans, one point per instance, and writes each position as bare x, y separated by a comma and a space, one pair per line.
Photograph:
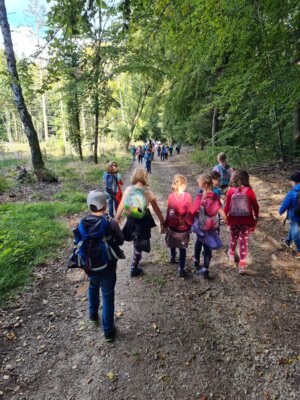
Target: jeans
136, 258
148, 166
293, 235
182, 256
112, 203
105, 282
207, 253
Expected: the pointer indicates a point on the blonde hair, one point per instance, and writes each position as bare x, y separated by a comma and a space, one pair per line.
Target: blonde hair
222, 157
178, 180
139, 175
205, 182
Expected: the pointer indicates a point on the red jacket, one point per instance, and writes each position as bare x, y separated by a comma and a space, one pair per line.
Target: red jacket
249, 220
198, 201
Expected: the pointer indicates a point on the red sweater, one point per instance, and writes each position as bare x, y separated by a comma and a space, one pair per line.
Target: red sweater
231, 220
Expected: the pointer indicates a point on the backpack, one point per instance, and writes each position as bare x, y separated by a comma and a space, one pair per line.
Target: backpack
111, 184
176, 220
147, 155
135, 204
297, 208
225, 175
239, 203
208, 214
91, 251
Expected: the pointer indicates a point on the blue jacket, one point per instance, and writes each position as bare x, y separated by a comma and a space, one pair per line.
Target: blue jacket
289, 204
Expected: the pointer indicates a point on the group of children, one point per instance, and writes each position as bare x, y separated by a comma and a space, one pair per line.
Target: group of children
202, 216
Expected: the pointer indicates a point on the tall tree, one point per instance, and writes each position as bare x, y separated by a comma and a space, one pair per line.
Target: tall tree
37, 159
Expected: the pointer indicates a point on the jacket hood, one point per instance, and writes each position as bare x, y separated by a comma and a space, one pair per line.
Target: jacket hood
296, 187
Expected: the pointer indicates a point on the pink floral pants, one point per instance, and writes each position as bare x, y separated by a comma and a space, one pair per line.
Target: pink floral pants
239, 233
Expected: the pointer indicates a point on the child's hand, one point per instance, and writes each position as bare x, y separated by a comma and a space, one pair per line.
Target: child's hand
163, 229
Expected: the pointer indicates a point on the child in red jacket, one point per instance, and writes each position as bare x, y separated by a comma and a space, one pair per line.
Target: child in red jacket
242, 212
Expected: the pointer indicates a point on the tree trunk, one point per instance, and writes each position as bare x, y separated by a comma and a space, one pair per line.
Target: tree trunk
214, 126
62, 116
297, 127
8, 126
36, 155
77, 124
138, 112
45, 119
96, 134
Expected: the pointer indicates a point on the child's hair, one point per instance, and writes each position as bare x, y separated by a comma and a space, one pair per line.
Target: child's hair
215, 175
205, 182
178, 180
221, 157
112, 167
139, 175
240, 178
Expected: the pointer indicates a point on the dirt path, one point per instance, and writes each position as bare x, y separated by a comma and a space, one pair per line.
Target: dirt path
228, 338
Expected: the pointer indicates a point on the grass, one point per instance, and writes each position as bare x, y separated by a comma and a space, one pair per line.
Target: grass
31, 234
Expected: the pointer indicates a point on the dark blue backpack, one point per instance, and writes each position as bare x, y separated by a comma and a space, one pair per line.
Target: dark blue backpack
111, 184
91, 252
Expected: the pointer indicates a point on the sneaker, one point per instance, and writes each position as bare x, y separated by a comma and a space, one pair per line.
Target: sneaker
230, 256
135, 271
110, 336
297, 254
242, 267
173, 261
203, 272
285, 243
182, 273
196, 265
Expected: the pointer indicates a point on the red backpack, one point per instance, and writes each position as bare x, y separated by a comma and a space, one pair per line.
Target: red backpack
240, 203
208, 213
178, 212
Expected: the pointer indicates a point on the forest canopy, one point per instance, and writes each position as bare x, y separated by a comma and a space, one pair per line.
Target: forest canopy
224, 73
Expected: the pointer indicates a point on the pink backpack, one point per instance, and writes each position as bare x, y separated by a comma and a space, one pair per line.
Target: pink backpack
208, 213
239, 203
178, 212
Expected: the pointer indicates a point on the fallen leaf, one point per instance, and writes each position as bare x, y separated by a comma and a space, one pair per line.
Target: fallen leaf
119, 314
284, 361
203, 398
112, 376
11, 336
166, 379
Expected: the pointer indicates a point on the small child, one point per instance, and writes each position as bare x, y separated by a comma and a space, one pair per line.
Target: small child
205, 208
242, 212
216, 176
224, 170
111, 179
135, 203
148, 159
101, 277
133, 152
179, 221
291, 204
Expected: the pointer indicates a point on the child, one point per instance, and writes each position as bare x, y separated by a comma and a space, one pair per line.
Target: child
216, 176
133, 152
135, 203
224, 170
205, 208
291, 204
242, 212
179, 221
171, 150
101, 276
140, 154
111, 178
148, 159
163, 153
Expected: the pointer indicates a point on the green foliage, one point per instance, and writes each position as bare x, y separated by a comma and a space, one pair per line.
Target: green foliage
3, 184
31, 234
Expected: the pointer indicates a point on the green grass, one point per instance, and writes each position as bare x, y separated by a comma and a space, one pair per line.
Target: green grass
30, 234
3, 184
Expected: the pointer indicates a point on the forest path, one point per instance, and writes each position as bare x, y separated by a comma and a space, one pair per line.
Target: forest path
232, 337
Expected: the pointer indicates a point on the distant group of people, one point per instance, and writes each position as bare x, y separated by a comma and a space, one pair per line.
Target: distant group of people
224, 194
144, 154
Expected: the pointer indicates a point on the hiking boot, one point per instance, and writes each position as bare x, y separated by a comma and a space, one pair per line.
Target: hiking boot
242, 267
110, 336
285, 243
182, 273
136, 271
203, 272
231, 256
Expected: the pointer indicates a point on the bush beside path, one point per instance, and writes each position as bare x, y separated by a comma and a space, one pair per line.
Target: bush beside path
233, 337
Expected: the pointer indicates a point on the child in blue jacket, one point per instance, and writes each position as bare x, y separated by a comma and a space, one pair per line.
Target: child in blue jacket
291, 204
